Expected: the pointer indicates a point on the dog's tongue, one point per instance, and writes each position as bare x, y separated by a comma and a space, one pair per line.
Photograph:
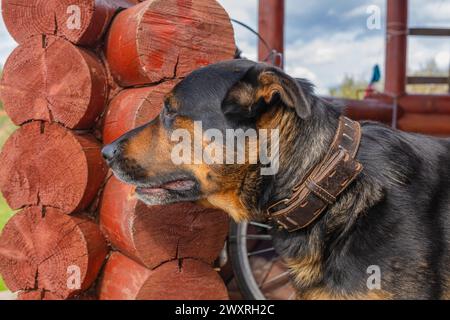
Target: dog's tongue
179, 185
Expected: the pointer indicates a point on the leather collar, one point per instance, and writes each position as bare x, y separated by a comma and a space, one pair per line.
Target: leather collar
323, 184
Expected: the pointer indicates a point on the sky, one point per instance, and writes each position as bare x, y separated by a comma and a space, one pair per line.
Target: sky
325, 40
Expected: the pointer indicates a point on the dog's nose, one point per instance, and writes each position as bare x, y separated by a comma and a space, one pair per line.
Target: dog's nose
109, 151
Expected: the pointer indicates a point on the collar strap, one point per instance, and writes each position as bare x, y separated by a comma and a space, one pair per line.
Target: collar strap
324, 182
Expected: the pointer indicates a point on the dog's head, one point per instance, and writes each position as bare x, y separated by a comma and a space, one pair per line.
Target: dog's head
184, 154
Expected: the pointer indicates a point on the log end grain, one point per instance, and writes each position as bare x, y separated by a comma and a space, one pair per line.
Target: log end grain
44, 252
50, 79
186, 279
82, 22
46, 164
25, 18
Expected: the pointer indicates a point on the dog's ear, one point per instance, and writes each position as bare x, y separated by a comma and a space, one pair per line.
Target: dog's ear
275, 85
264, 86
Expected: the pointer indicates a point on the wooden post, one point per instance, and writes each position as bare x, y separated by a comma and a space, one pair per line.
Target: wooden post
396, 47
271, 29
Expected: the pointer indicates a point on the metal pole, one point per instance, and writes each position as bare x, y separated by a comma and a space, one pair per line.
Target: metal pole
271, 29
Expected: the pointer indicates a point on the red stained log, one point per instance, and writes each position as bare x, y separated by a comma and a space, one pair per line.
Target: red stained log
46, 164
165, 39
132, 108
41, 294
422, 103
155, 234
50, 79
367, 109
425, 123
80, 21
96, 16
188, 279
37, 294
24, 18
40, 248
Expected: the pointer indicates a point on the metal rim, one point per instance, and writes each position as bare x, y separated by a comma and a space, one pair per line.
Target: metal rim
243, 271
240, 260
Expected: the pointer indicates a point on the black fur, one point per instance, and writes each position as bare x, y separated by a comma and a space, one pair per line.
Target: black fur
395, 215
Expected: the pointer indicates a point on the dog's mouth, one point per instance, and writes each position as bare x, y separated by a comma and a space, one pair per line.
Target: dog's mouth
176, 185
169, 192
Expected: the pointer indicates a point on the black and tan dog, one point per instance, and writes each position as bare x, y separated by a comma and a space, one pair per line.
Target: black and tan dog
394, 214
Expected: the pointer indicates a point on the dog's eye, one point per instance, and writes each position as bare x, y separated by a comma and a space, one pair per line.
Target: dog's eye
168, 110
168, 114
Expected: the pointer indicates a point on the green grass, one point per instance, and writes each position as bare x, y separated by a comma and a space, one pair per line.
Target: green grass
6, 128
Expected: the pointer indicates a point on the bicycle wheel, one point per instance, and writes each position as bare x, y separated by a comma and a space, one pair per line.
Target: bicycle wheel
260, 273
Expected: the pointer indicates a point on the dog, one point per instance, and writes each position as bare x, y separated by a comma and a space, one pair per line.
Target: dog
392, 220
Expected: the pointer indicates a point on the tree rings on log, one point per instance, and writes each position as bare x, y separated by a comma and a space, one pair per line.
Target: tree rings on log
187, 279
79, 21
165, 39
50, 79
86, 21
48, 254
25, 18
132, 108
152, 235
48, 165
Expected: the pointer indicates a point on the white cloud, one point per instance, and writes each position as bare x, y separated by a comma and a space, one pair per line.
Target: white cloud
443, 59
331, 57
303, 72
430, 13
245, 11
421, 50
357, 11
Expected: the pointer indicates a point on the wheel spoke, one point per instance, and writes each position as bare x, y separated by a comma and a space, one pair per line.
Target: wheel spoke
266, 274
265, 237
277, 277
259, 237
260, 251
259, 224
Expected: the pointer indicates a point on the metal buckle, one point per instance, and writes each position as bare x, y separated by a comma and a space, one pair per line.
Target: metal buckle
284, 201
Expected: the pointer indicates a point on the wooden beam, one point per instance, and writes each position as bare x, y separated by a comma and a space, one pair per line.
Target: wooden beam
367, 109
434, 124
418, 103
430, 32
423, 103
427, 80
